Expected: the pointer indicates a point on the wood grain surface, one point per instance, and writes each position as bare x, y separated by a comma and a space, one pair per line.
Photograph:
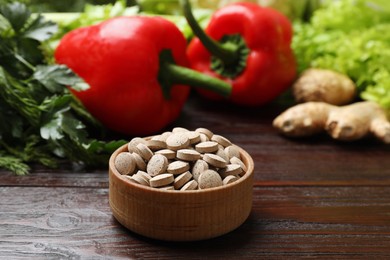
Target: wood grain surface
312, 198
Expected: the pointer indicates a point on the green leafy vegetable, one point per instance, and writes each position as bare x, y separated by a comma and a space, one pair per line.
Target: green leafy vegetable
40, 121
93, 14
352, 37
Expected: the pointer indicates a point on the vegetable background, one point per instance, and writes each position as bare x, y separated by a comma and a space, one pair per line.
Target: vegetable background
41, 122
351, 37
63, 6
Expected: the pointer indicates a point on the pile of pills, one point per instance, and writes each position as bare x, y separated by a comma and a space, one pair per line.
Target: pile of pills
181, 160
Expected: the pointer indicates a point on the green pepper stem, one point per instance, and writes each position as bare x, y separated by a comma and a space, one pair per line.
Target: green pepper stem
227, 52
185, 76
171, 74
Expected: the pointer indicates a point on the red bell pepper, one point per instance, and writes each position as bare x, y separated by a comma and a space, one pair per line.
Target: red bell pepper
136, 70
248, 46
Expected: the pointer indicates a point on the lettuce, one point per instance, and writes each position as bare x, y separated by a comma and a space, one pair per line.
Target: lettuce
351, 37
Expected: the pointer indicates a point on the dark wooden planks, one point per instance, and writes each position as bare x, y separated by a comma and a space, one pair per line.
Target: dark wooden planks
285, 221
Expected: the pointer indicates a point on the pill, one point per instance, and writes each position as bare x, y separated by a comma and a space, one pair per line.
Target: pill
178, 141
204, 131
140, 180
207, 147
209, 179
229, 179
125, 163
165, 135
161, 180
131, 146
178, 167
214, 160
162, 137
221, 153
231, 169
194, 137
191, 185
203, 138
170, 187
139, 161
199, 167
221, 140
129, 178
235, 160
144, 175
159, 138
232, 151
156, 144
179, 129
182, 179
167, 153
144, 151
157, 164
187, 155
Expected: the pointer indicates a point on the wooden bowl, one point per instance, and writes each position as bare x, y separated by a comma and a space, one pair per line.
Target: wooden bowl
180, 215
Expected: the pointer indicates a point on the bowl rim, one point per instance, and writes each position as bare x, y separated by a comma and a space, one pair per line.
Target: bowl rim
244, 154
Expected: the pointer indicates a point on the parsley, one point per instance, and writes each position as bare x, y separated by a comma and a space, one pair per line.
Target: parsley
40, 121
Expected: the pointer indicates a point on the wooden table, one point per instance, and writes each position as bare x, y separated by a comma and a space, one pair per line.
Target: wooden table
313, 198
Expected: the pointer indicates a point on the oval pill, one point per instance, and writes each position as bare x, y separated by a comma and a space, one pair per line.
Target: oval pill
187, 155
178, 141
229, 179
162, 137
194, 137
204, 131
170, 187
165, 135
130, 178
144, 175
214, 160
182, 179
140, 180
178, 167
131, 146
230, 169
203, 138
221, 140
144, 151
207, 147
191, 185
161, 180
155, 144
179, 129
221, 153
167, 153
236, 160
139, 161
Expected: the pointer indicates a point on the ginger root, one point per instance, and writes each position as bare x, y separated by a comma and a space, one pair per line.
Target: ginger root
345, 123
324, 86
